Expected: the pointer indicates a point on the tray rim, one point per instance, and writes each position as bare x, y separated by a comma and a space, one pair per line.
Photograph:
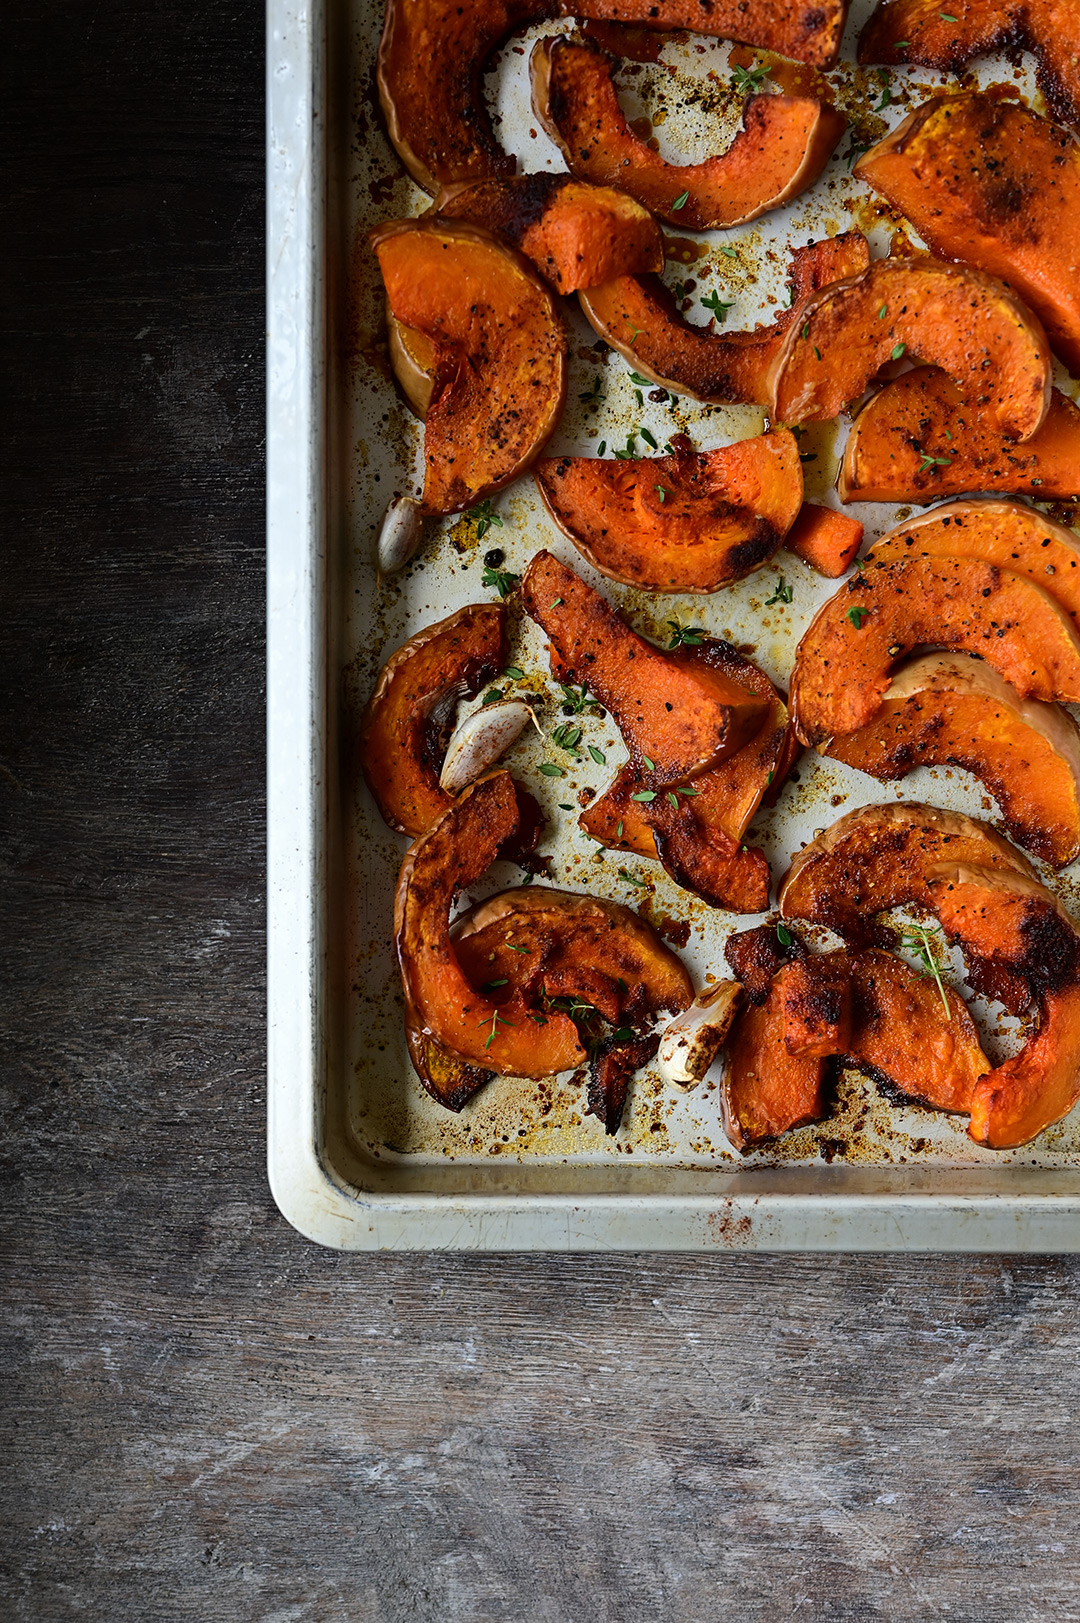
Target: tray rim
309, 1195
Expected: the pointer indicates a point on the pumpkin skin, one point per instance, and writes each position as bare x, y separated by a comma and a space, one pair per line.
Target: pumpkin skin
878, 858
498, 353
443, 1011
407, 720
683, 720
783, 146
575, 234
916, 440
639, 317
686, 522
930, 38
700, 840
972, 326
845, 660
991, 183
941, 710
825, 539
433, 53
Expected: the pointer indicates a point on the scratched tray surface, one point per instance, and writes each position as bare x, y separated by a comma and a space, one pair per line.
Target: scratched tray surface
684, 97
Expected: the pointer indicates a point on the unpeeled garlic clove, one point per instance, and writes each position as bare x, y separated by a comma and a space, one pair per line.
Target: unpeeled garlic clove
692, 1040
400, 535
480, 740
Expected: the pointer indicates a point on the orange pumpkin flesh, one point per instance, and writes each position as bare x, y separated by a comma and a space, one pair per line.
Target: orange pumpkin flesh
824, 539
784, 143
639, 317
443, 1011
683, 721
499, 354
917, 440
960, 319
576, 235
845, 659
699, 840
930, 35
680, 523
1009, 534
817, 1005
990, 182
878, 858
1014, 922
946, 711
433, 53
902, 1037
408, 718
766, 1090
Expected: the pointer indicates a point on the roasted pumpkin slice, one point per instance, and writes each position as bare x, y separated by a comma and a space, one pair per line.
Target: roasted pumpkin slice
698, 835
682, 721
824, 539
576, 235
638, 316
1012, 922
499, 353
960, 319
948, 710
990, 182
783, 146
909, 1033
767, 1090
409, 716
878, 858
817, 1005
443, 1011
916, 440
755, 956
433, 53
845, 660
1009, 534
688, 522
541, 944
922, 33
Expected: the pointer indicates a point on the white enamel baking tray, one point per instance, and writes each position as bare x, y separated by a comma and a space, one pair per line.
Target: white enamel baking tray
359, 1157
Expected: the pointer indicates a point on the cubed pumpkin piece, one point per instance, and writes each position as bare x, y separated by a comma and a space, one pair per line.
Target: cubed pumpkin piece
825, 539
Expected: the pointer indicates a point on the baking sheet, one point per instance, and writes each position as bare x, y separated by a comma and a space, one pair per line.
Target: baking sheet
359, 1154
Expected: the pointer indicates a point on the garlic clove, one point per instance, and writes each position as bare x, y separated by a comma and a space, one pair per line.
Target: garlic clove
400, 535
692, 1040
480, 740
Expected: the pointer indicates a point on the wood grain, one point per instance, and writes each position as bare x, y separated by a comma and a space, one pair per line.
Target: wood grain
204, 1416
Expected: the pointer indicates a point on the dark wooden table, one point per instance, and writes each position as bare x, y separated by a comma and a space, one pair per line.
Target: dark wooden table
205, 1416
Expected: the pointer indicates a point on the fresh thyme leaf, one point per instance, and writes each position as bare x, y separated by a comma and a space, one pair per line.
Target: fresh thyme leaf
661, 492
783, 593
550, 770
670, 795
631, 879
618, 831
717, 305
484, 516
690, 636
491, 696
598, 755
883, 312
503, 580
783, 935
650, 764
642, 383
646, 796
806, 330
566, 737
929, 461
489, 986
748, 78
514, 948
731, 253
898, 350
946, 16
817, 353
685, 789
593, 396
857, 616
515, 673
886, 94
600, 449
647, 437
681, 201
564, 805
577, 699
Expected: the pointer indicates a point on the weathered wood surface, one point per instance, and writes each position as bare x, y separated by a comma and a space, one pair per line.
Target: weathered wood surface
205, 1417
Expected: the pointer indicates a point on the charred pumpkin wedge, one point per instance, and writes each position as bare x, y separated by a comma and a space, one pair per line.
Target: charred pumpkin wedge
916, 440
766, 1089
698, 836
962, 320
923, 33
878, 858
783, 146
817, 1005
575, 234
825, 539
684, 721
443, 1011
755, 956
639, 317
903, 1035
686, 522
988, 181
846, 658
498, 353
1009, 534
433, 53
409, 716
1014, 923
944, 710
